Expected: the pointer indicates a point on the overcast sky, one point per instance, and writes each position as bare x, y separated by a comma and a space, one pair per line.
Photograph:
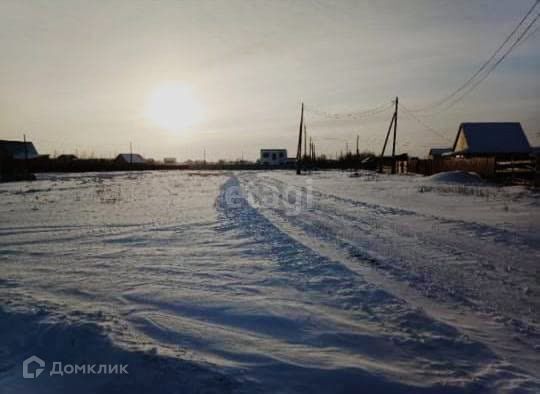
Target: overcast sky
76, 75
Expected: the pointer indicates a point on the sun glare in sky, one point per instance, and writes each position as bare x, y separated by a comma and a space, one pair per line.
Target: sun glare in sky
173, 107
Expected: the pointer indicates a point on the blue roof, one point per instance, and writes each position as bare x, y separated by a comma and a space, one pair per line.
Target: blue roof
484, 138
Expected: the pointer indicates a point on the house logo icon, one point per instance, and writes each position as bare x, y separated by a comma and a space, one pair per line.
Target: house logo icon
28, 367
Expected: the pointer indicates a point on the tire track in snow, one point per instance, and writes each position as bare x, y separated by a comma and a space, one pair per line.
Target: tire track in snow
420, 339
418, 248
336, 232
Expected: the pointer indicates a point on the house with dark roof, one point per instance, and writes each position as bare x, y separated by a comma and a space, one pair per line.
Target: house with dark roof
500, 140
13, 164
17, 150
130, 158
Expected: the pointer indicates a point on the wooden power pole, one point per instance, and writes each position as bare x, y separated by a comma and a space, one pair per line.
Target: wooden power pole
299, 151
305, 140
25, 155
394, 141
385, 142
25, 149
393, 122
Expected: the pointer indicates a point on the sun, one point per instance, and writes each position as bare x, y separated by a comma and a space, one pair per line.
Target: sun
173, 107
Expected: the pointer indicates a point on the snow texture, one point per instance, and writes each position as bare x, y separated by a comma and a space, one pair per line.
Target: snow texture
270, 282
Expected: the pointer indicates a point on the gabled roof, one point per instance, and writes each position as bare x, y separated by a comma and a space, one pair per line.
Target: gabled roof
483, 138
134, 158
17, 149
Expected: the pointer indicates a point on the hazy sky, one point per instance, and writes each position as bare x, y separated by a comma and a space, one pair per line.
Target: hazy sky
77, 75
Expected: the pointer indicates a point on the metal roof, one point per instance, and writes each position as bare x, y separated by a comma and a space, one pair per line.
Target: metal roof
131, 158
482, 138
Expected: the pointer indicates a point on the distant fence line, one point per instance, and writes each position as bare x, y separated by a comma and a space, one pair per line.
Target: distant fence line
526, 168
483, 166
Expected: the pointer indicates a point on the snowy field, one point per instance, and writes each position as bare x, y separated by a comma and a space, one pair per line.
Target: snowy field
268, 282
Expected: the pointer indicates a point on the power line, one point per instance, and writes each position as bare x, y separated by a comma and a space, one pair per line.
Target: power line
421, 122
468, 82
532, 33
516, 43
350, 115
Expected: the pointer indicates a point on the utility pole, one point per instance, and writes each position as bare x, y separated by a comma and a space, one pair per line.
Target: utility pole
130, 153
299, 151
25, 149
394, 142
204, 155
305, 140
357, 161
25, 155
385, 142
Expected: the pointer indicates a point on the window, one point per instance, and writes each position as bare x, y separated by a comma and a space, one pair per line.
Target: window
273, 156
265, 155
281, 155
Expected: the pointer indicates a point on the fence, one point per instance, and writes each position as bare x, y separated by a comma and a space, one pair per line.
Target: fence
504, 169
484, 166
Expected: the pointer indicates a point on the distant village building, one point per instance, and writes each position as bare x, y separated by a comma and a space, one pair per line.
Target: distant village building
169, 160
13, 166
491, 140
496, 150
67, 157
17, 150
438, 152
130, 158
273, 157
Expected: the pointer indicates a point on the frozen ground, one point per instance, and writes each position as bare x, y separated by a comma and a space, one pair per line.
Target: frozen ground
269, 282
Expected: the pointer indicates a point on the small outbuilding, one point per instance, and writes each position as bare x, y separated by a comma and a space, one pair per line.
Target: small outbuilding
130, 158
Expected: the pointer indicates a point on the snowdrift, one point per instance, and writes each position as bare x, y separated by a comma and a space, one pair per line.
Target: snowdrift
33, 334
460, 177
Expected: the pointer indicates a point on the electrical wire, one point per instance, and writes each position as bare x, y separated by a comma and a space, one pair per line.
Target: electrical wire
351, 115
518, 41
483, 67
421, 122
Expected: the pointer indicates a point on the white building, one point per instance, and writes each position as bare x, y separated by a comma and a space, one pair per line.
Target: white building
273, 157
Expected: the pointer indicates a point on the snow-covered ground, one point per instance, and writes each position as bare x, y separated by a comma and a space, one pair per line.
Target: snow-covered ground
269, 282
